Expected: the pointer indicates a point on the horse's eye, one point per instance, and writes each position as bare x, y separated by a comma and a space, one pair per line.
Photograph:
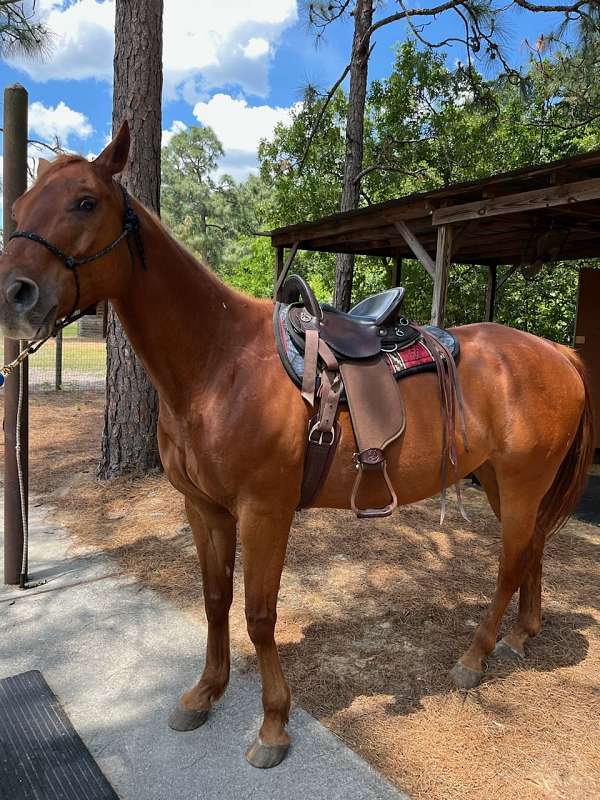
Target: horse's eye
87, 204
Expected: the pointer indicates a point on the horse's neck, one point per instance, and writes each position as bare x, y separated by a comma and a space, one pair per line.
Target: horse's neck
173, 312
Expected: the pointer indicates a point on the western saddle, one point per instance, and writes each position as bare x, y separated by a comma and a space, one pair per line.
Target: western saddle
344, 359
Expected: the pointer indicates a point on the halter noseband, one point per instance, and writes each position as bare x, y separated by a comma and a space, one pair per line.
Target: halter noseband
131, 224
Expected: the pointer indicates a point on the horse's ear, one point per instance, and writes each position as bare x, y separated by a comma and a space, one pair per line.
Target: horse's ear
113, 158
42, 166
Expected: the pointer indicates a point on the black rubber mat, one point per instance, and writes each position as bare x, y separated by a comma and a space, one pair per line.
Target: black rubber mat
41, 754
589, 505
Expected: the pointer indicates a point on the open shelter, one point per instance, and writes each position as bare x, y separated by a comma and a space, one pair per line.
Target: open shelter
522, 219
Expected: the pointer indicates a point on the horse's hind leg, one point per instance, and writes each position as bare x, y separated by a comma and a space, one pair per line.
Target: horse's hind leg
264, 539
530, 594
519, 500
214, 536
529, 620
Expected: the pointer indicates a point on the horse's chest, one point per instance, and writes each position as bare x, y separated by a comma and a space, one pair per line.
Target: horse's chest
190, 462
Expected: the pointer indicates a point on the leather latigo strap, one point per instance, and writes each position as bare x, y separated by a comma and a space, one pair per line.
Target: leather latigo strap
320, 451
324, 430
311, 355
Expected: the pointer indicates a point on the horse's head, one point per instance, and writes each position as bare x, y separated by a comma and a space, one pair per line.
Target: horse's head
76, 208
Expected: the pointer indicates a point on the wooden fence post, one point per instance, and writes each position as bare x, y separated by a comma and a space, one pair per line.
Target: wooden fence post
58, 363
16, 431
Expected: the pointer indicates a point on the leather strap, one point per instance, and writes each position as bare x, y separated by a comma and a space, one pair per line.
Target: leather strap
451, 403
311, 354
318, 458
324, 430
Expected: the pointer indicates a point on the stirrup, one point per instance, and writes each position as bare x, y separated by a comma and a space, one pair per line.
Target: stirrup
372, 460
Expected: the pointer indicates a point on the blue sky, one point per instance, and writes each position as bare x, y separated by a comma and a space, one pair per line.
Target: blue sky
237, 65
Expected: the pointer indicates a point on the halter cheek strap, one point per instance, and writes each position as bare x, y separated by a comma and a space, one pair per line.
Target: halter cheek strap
131, 224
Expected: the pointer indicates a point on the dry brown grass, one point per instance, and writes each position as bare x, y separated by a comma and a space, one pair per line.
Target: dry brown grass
371, 618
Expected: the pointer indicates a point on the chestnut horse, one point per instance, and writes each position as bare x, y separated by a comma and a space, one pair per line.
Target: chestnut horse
232, 427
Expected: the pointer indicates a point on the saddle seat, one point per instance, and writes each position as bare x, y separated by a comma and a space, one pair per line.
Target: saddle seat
370, 327
379, 309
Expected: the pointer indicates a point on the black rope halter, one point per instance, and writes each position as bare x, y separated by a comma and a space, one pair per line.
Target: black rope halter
131, 224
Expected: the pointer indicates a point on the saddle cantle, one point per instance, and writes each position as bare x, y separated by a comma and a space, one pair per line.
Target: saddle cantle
356, 358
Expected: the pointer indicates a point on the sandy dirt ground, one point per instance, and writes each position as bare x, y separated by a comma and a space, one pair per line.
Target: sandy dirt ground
372, 616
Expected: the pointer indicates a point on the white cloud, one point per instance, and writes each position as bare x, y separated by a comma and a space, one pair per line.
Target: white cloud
256, 47
239, 164
207, 44
177, 126
61, 121
81, 42
239, 126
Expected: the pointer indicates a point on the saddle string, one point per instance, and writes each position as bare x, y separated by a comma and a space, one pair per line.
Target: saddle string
451, 402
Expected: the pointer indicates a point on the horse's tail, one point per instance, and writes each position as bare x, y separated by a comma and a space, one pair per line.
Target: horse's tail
571, 478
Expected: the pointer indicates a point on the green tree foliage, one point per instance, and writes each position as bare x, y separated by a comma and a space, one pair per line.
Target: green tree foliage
250, 265
20, 32
197, 204
426, 127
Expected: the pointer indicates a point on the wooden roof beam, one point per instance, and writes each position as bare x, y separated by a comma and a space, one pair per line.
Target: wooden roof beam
351, 222
559, 195
416, 246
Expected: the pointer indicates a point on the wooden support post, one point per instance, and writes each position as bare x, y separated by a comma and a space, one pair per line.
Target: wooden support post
416, 246
443, 258
283, 272
16, 428
279, 262
396, 279
490, 294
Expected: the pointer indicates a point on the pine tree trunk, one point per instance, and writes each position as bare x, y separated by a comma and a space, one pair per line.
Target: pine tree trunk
363, 17
129, 440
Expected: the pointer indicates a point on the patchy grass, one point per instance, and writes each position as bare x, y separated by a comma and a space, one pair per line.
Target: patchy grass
371, 618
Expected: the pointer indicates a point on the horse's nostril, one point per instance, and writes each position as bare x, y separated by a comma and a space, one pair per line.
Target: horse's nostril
23, 294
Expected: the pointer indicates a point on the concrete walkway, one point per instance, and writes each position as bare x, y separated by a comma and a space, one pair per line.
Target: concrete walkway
118, 656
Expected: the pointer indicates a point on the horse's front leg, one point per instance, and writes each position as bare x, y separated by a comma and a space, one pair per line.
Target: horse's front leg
264, 535
214, 532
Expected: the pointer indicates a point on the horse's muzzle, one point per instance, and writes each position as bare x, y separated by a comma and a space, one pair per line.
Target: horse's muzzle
24, 314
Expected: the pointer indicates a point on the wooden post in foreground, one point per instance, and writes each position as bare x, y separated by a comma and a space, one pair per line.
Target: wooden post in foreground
15, 183
440, 281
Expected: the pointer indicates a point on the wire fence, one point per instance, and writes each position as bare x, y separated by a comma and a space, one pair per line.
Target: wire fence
74, 361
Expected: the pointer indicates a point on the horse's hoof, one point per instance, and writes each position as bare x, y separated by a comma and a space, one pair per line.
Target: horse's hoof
265, 756
505, 650
465, 677
186, 719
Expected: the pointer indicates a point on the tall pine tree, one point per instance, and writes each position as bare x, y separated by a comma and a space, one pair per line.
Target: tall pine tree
129, 442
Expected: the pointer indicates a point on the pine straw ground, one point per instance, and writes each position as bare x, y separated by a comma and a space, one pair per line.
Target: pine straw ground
371, 618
